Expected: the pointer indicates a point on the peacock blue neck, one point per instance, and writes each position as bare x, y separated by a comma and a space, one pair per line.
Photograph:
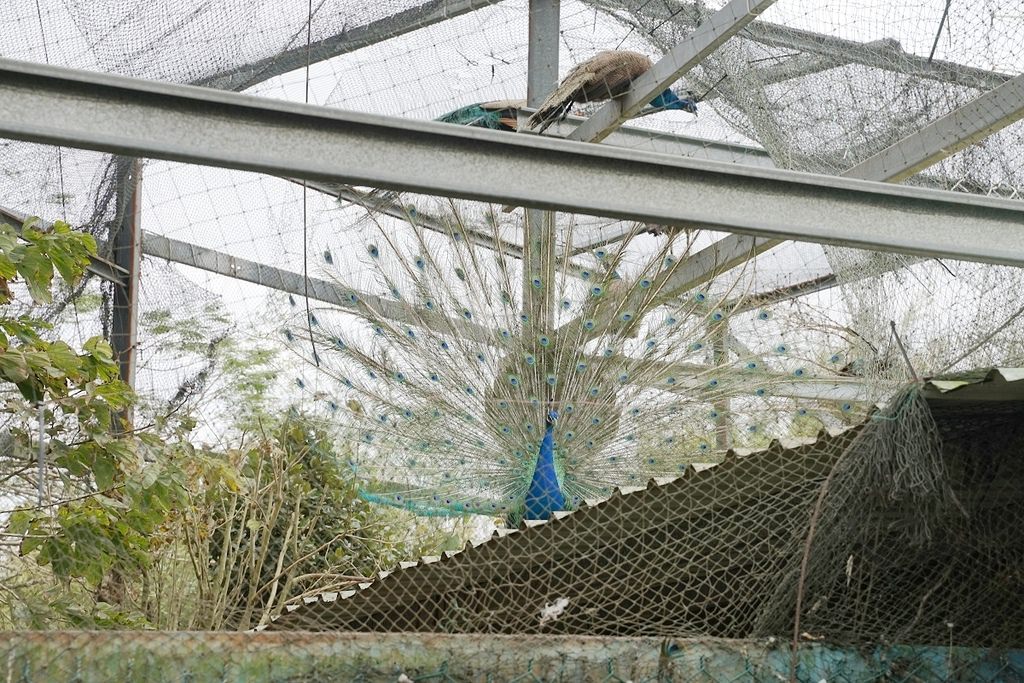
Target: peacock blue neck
669, 100
545, 495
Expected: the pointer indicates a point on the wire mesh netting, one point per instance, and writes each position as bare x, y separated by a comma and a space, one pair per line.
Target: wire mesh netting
865, 534
358, 409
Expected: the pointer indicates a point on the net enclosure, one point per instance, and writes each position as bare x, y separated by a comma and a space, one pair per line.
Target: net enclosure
402, 356
890, 531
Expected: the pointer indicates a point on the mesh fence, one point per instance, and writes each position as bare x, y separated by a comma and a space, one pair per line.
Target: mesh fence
875, 535
565, 443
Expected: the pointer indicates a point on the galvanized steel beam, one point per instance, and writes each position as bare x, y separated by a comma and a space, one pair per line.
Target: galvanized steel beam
160, 120
942, 138
947, 135
213, 261
885, 54
390, 207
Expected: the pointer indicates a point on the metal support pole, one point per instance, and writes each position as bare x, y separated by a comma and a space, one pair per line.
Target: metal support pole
125, 241
719, 357
539, 228
542, 61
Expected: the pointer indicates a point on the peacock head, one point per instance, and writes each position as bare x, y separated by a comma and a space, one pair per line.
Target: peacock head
669, 99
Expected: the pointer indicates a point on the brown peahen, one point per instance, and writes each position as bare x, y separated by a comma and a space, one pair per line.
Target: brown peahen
604, 76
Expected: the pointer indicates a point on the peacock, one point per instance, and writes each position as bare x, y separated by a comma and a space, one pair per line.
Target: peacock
604, 76
498, 115
593, 80
516, 384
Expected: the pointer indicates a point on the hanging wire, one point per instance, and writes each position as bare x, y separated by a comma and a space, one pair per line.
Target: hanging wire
41, 461
42, 453
60, 150
942, 22
903, 350
305, 203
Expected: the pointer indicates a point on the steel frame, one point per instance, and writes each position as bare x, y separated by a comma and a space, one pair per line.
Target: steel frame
705, 39
183, 123
992, 111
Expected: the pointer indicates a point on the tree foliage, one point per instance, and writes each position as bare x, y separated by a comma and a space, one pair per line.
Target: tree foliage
141, 528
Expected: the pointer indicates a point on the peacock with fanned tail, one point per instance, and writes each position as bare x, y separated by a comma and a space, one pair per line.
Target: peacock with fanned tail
468, 384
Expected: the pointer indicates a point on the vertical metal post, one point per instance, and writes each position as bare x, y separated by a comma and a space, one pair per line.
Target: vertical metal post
539, 229
542, 61
125, 238
719, 357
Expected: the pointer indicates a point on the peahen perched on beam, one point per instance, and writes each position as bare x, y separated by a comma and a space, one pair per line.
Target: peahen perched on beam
604, 76
466, 383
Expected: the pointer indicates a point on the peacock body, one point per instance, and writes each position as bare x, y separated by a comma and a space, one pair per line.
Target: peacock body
604, 76
498, 115
466, 382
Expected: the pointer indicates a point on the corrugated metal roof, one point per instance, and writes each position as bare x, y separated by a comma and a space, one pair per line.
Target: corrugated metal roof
990, 384
515, 552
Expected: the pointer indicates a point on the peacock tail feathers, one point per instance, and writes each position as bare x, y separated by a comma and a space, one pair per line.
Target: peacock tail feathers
445, 359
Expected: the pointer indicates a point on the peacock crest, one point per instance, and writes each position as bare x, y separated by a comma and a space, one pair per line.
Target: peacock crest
465, 380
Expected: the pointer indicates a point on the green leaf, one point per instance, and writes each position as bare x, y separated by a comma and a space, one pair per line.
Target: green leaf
62, 356
32, 390
150, 475
18, 521
31, 543
13, 366
117, 394
37, 270
93, 573
8, 270
103, 470
30, 228
109, 502
69, 251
